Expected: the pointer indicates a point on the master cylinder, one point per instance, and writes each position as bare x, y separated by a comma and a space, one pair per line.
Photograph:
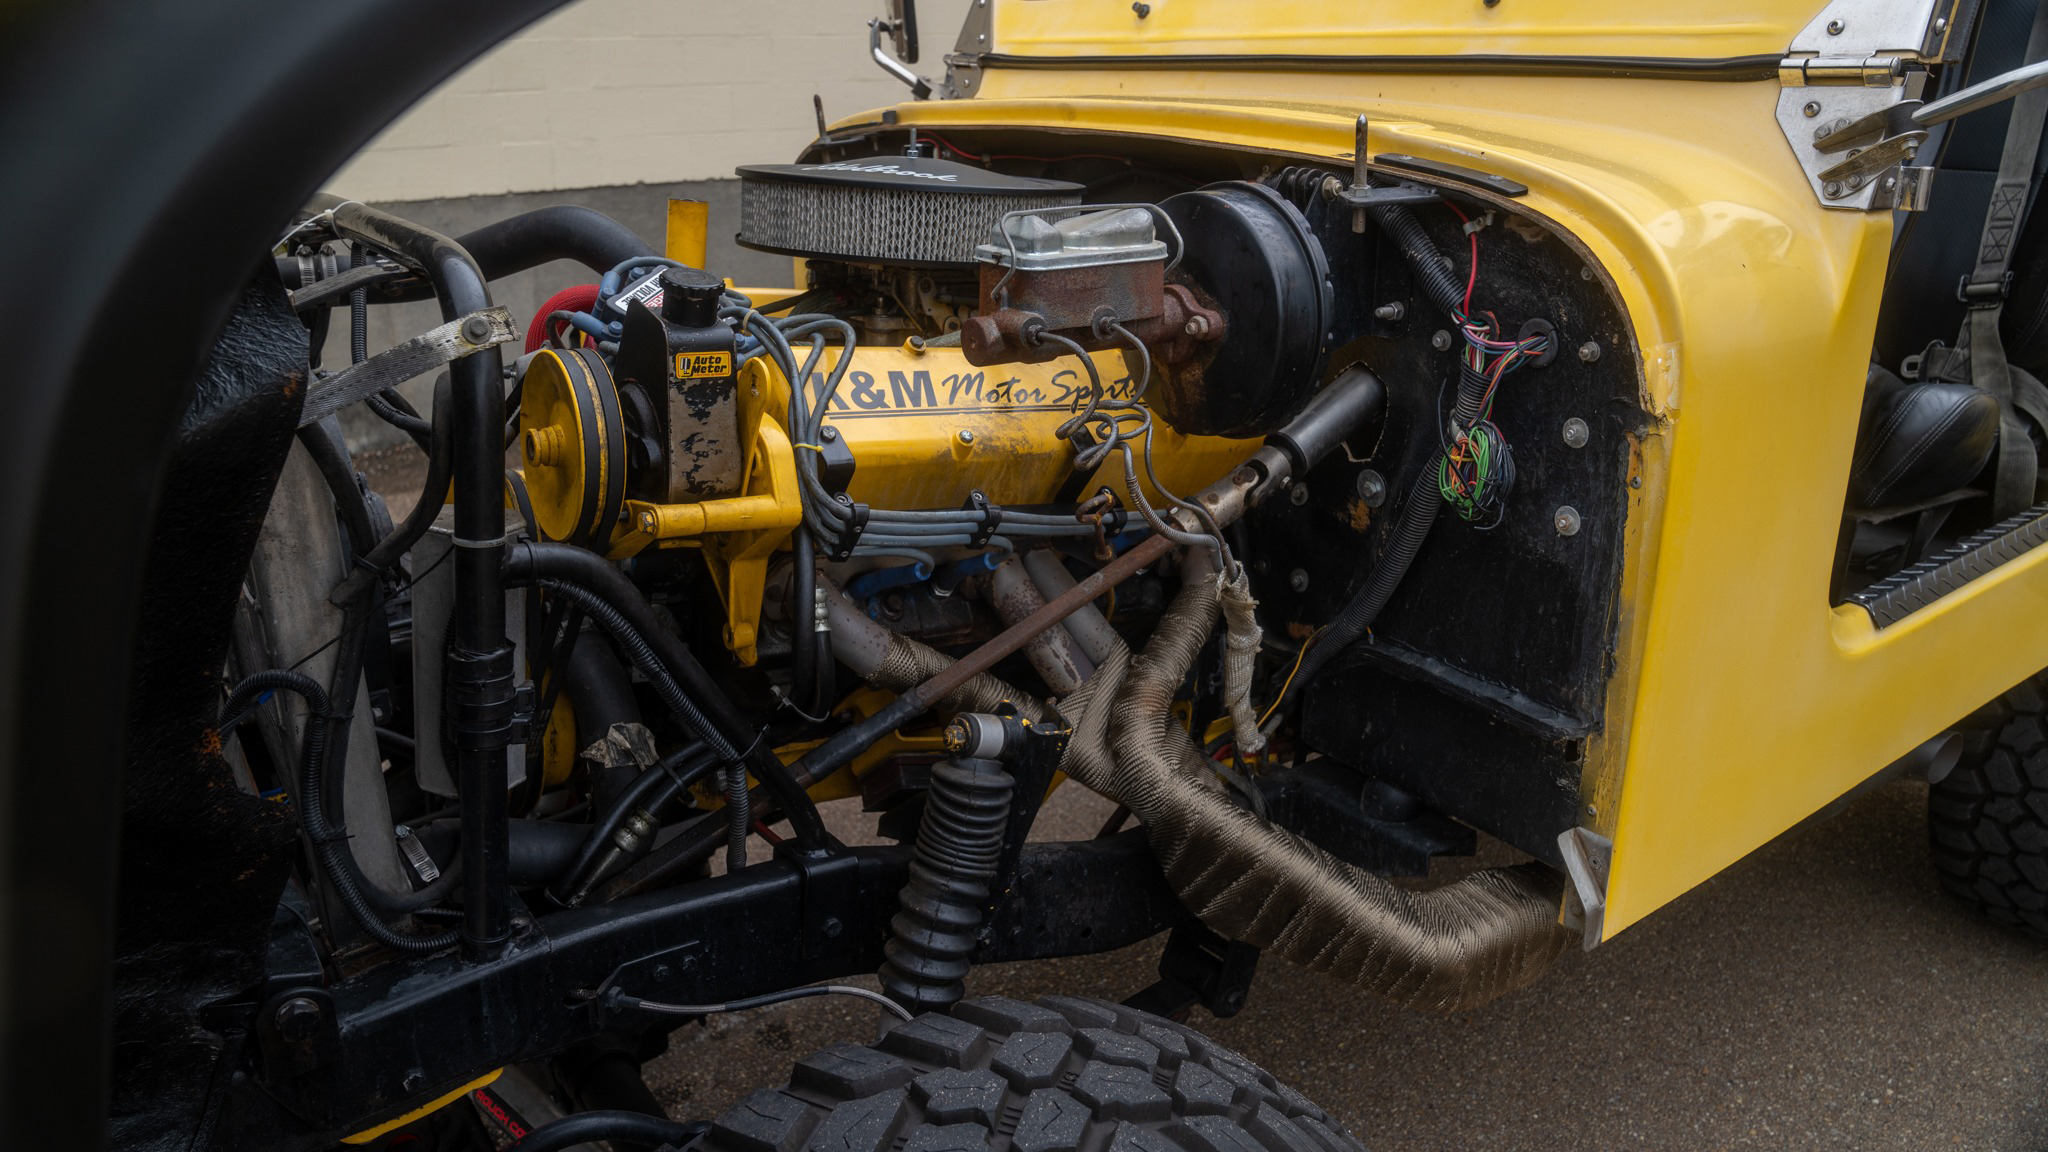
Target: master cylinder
1079, 274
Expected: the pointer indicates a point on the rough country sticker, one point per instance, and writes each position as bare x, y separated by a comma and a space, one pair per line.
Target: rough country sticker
647, 290
895, 393
698, 365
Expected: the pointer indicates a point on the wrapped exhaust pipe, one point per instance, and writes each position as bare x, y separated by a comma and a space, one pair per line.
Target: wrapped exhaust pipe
1448, 949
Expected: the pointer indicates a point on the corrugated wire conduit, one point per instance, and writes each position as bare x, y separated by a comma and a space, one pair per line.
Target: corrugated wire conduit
1447, 949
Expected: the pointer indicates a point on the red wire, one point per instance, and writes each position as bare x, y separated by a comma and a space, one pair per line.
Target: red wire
770, 837
1472, 278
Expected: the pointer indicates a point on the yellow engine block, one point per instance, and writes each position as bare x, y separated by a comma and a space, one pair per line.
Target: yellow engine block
925, 429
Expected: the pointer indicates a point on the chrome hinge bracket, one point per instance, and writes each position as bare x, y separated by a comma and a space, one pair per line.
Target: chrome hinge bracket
1844, 81
963, 63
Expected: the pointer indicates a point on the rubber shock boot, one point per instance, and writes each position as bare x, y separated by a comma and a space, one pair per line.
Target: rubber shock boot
959, 845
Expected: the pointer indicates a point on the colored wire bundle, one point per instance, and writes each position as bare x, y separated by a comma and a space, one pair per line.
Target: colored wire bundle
1477, 470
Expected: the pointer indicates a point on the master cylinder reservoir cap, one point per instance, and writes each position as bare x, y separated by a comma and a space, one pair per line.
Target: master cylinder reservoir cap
689, 297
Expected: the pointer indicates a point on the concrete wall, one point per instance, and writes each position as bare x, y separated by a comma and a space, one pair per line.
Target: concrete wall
610, 92
618, 105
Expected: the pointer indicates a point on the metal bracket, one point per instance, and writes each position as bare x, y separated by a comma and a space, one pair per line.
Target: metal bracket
1587, 858
651, 976
485, 328
831, 891
1845, 79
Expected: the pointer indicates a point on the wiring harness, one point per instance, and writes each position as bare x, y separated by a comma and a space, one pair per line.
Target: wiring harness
1477, 470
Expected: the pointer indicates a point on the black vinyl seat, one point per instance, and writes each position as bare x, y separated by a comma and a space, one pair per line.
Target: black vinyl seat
1918, 442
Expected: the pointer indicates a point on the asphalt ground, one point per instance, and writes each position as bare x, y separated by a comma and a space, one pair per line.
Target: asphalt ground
1821, 993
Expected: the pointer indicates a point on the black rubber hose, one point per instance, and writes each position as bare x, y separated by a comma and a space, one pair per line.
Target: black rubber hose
598, 853
803, 599
560, 232
433, 497
680, 703
1439, 282
540, 848
601, 696
323, 442
1418, 516
586, 1127
532, 560
330, 845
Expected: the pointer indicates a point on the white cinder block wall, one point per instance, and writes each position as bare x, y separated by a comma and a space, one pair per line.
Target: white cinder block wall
614, 92
618, 105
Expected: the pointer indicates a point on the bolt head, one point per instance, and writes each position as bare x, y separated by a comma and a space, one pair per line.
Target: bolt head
298, 1019
1812, 108
1855, 182
1298, 495
1372, 488
966, 436
1576, 433
828, 433
1441, 341
1832, 190
1635, 481
662, 973
833, 927
1298, 580
1835, 27
1566, 521
1589, 351
415, 1081
476, 329
1196, 326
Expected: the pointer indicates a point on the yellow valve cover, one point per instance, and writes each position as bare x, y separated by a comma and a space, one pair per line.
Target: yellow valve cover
926, 429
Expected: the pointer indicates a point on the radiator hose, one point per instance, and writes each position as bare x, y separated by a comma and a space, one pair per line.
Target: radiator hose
1449, 949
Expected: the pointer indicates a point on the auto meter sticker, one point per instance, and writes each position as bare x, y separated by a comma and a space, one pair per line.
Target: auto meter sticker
698, 365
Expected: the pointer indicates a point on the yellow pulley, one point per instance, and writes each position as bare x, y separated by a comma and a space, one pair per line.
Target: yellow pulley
574, 445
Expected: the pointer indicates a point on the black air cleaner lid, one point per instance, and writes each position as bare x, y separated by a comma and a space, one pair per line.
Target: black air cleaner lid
907, 172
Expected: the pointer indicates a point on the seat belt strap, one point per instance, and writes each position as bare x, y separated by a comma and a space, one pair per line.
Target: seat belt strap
1985, 287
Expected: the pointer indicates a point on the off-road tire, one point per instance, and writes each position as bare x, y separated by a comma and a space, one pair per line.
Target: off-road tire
1987, 820
1062, 1075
